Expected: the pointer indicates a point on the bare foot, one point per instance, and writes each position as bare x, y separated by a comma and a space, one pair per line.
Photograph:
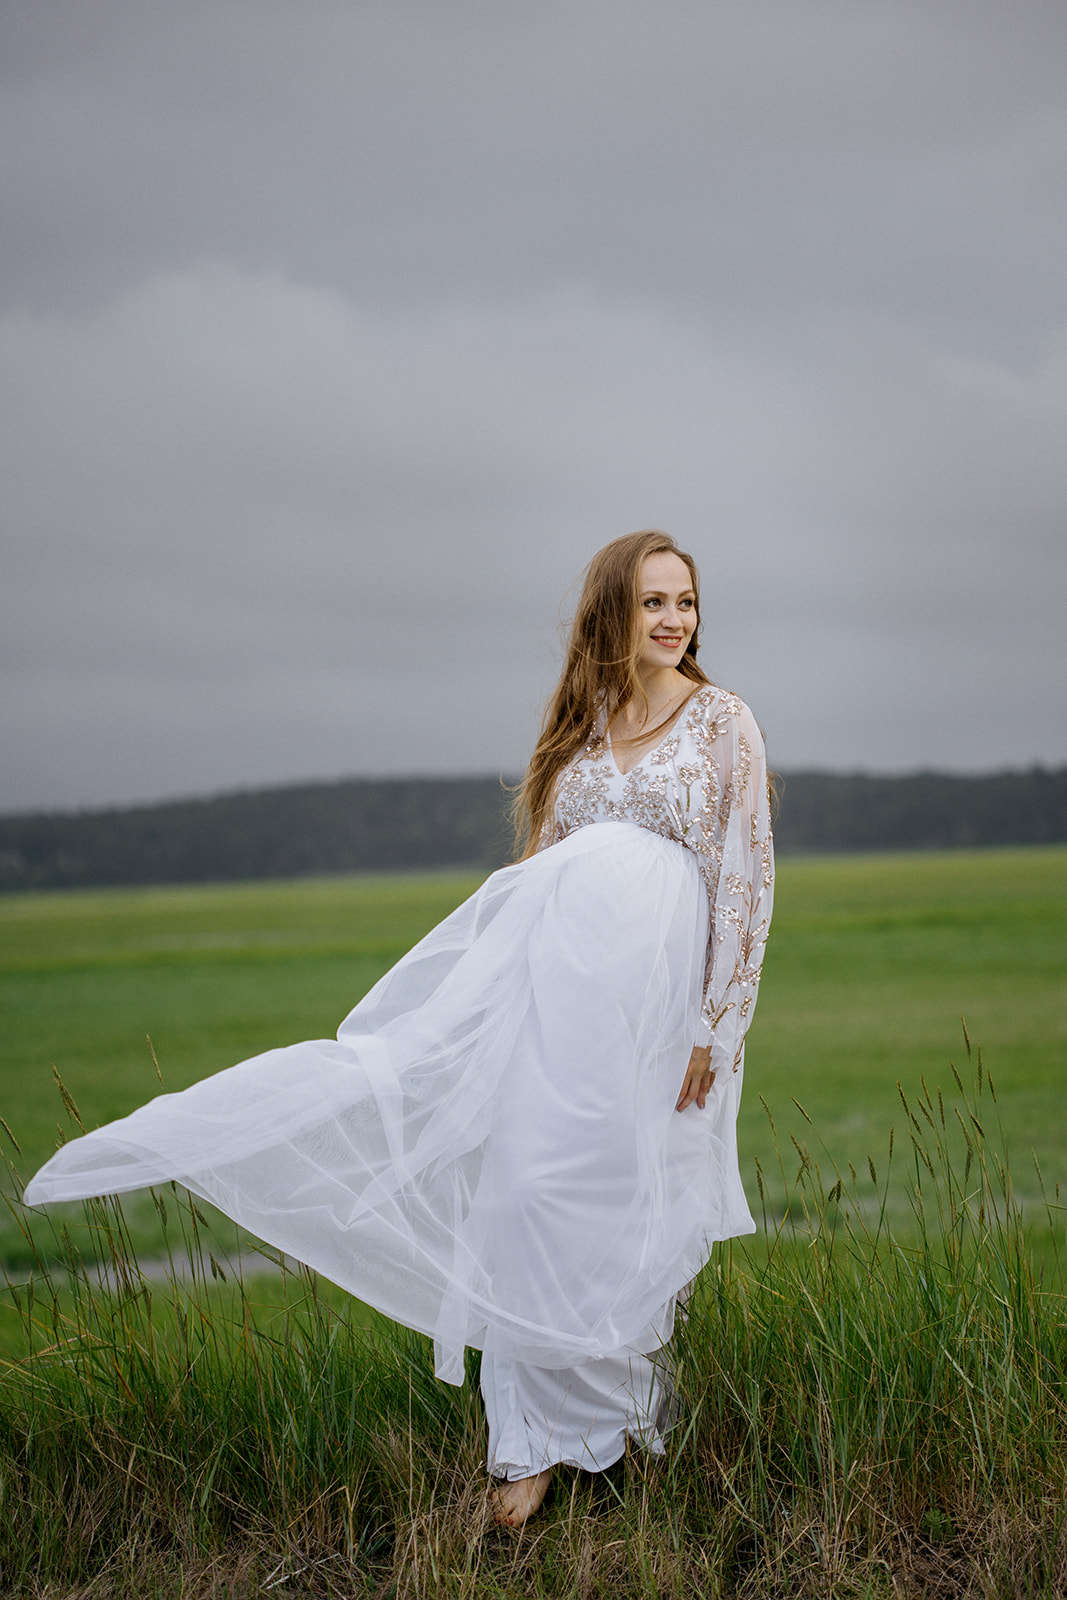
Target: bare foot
515, 1502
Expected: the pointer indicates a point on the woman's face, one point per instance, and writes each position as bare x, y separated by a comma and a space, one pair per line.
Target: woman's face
667, 610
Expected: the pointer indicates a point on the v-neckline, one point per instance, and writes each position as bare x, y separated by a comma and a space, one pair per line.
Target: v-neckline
659, 742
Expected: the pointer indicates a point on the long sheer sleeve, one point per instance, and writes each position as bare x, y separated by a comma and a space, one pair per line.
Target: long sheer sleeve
729, 829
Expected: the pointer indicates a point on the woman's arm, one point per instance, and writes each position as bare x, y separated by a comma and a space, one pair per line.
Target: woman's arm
731, 834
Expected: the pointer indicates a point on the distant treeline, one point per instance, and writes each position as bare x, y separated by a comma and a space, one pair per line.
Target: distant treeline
829, 811
379, 824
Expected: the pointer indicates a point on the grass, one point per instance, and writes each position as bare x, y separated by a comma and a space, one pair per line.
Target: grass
871, 964
212, 975
862, 1418
875, 1392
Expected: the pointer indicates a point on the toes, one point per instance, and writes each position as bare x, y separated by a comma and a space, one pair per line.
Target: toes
515, 1503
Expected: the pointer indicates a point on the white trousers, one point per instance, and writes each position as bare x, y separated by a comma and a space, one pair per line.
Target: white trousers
573, 1416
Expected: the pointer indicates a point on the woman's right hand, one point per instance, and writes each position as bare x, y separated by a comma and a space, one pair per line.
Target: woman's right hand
698, 1078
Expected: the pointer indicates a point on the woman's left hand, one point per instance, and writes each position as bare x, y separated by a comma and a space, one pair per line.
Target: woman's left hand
698, 1078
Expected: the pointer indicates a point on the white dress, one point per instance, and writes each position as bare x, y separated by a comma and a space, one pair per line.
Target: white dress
489, 1150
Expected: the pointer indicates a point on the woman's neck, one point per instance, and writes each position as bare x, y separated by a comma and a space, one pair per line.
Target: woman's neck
659, 692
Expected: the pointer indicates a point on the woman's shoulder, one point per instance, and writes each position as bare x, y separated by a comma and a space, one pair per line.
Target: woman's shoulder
711, 702
722, 725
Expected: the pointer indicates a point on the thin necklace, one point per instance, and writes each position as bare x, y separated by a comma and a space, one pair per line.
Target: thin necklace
653, 721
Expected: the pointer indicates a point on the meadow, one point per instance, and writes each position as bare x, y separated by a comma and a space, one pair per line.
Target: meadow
872, 964
875, 1384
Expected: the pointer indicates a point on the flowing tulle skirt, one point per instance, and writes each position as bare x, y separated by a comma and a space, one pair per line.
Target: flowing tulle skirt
489, 1150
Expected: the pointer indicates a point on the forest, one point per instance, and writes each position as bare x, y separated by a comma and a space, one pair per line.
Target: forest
386, 824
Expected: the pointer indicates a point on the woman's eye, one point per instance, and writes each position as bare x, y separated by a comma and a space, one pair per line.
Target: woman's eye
651, 602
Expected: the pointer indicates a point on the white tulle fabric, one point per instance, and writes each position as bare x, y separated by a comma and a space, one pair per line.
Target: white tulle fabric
489, 1150
576, 1416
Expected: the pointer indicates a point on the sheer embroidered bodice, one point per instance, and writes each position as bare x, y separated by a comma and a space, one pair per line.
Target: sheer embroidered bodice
704, 786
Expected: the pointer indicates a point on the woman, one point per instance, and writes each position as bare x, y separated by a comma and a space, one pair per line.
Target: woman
491, 1150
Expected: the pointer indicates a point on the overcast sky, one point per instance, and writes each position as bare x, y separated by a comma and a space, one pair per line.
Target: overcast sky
337, 335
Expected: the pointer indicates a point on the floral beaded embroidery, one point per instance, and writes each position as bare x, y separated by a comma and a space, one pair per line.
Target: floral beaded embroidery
689, 788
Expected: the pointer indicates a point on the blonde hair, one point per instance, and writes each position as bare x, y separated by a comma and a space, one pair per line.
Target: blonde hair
600, 669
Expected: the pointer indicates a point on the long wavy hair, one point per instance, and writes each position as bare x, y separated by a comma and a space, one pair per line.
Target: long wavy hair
600, 669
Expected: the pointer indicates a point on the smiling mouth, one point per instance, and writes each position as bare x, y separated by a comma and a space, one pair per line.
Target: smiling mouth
657, 639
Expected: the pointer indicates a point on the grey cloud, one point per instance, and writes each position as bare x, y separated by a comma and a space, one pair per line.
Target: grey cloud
334, 339
743, 155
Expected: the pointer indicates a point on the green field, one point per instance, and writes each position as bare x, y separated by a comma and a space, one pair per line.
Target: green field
872, 962
869, 1412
